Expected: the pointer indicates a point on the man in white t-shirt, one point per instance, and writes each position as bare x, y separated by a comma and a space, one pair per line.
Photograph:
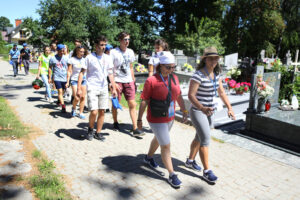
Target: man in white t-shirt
98, 67
125, 80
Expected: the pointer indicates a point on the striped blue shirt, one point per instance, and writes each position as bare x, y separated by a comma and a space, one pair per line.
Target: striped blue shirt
206, 91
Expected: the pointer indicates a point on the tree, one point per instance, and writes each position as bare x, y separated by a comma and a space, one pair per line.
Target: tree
4, 22
39, 34
250, 26
207, 34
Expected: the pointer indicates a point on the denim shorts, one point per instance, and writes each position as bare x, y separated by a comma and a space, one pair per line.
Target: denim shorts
76, 82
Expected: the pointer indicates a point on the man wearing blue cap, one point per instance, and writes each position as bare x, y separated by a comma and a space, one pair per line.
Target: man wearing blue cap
26, 57
14, 58
58, 64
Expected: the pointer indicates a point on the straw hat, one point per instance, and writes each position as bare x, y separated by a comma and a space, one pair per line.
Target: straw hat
210, 51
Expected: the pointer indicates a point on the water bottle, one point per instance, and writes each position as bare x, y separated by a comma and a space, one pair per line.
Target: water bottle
295, 104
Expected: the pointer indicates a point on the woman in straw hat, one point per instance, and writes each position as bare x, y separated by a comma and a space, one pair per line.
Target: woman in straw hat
162, 86
205, 86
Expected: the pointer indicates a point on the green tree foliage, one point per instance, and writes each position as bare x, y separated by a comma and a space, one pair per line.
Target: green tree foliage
4, 22
38, 33
207, 34
291, 36
250, 26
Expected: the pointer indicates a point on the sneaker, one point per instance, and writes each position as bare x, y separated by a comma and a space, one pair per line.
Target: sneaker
174, 181
151, 162
63, 108
99, 136
116, 126
210, 176
193, 165
138, 132
73, 112
50, 100
81, 116
90, 134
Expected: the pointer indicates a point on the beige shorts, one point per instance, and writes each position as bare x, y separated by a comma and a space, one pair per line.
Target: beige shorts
98, 99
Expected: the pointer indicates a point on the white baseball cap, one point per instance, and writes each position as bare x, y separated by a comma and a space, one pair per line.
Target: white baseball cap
166, 57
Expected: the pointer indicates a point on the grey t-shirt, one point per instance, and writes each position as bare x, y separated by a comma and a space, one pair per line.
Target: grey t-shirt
60, 67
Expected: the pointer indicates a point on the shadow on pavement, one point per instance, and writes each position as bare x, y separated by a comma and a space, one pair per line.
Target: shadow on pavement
34, 98
10, 193
57, 114
76, 134
122, 192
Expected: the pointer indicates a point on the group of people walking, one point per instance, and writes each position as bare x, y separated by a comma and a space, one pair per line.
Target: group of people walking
91, 74
20, 57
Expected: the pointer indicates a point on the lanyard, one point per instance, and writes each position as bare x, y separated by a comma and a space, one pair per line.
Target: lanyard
212, 81
164, 79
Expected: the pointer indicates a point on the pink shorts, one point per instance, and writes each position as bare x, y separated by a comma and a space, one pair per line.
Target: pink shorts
128, 89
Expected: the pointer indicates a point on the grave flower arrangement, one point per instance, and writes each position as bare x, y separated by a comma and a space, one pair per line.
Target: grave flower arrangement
234, 73
188, 67
139, 68
242, 87
264, 90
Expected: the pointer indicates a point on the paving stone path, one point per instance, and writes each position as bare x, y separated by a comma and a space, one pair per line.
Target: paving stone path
113, 169
12, 164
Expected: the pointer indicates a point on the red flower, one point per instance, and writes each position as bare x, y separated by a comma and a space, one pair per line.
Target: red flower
246, 89
227, 79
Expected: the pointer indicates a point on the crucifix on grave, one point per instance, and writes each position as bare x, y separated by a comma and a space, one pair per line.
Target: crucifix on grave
296, 64
288, 56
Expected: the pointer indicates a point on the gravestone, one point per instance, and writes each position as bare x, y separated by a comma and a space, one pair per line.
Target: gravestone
231, 60
296, 65
180, 58
192, 61
277, 127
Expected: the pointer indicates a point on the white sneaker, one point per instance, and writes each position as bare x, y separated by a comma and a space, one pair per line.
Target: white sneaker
50, 100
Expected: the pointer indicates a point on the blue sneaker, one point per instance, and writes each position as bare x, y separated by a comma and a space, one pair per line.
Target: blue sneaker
81, 116
210, 176
174, 181
151, 162
193, 165
73, 113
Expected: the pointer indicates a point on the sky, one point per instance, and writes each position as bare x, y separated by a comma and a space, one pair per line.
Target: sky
18, 9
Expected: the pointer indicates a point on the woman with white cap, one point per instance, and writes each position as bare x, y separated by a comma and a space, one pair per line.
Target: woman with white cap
160, 93
159, 46
205, 86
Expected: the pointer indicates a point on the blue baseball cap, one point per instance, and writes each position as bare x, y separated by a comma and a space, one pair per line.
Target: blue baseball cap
108, 47
60, 47
24, 44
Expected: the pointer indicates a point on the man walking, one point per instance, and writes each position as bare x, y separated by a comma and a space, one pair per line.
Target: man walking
14, 54
26, 58
125, 80
98, 66
58, 64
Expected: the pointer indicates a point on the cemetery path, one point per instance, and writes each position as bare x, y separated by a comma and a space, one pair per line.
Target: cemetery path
114, 169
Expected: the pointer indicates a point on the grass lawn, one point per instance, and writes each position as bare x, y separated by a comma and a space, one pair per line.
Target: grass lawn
34, 71
10, 125
47, 184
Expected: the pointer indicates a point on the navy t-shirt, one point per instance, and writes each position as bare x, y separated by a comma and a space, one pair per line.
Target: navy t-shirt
26, 56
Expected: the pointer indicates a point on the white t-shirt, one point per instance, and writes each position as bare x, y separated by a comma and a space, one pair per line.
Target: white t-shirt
122, 61
77, 65
98, 68
154, 60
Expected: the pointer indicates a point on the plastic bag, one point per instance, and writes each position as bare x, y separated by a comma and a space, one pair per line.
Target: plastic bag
115, 103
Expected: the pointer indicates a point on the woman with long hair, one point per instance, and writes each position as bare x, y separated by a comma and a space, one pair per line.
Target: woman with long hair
162, 86
159, 46
75, 64
43, 71
205, 86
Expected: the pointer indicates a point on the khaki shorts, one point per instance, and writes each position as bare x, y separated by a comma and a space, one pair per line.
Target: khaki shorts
98, 99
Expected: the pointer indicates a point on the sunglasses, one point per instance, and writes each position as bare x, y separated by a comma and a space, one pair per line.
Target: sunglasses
126, 39
102, 45
170, 67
